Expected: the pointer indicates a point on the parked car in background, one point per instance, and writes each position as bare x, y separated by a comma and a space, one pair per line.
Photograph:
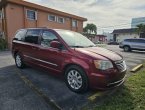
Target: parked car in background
133, 44
113, 43
98, 42
71, 55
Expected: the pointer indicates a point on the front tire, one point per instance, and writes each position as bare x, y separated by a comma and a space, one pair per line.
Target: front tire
19, 61
76, 79
127, 48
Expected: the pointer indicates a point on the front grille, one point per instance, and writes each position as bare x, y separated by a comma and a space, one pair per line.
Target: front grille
121, 65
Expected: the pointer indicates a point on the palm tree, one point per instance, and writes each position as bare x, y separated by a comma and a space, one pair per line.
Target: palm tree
140, 29
90, 28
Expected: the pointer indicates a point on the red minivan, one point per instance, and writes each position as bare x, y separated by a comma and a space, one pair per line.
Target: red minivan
70, 54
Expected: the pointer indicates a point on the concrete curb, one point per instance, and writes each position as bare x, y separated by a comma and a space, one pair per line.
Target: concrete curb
136, 68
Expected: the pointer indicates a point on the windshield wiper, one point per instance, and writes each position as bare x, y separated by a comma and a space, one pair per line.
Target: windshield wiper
91, 46
77, 46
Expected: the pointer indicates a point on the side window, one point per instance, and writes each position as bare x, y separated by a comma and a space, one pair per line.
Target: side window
32, 36
1, 15
74, 23
127, 40
133, 40
47, 37
20, 35
141, 41
31, 15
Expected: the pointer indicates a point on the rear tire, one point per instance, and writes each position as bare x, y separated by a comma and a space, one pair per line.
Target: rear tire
127, 48
76, 79
19, 61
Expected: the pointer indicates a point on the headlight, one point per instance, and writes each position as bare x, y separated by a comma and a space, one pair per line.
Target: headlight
103, 64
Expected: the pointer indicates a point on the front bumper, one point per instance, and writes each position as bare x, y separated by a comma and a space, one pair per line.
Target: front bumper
104, 81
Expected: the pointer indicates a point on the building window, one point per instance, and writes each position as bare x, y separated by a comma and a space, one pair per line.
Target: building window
51, 17
74, 23
31, 15
1, 15
60, 20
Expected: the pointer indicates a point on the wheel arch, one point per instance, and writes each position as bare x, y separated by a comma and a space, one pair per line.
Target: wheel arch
15, 52
71, 64
127, 46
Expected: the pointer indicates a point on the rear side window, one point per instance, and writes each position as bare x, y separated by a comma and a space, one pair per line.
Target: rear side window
141, 41
20, 35
32, 36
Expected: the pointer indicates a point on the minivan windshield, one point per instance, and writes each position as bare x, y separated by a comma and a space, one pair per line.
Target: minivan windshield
74, 39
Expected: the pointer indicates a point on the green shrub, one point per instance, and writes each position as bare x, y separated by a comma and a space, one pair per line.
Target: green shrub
3, 44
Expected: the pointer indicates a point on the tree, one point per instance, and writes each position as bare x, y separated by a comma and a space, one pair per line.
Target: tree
140, 29
90, 28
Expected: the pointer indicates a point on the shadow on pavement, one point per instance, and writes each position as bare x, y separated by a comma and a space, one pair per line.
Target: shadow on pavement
55, 89
15, 94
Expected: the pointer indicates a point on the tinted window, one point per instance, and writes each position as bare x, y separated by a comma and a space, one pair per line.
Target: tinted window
127, 40
133, 40
47, 37
32, 36
140, 41
130, 40
20, 35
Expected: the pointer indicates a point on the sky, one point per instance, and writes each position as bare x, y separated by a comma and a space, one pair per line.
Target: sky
107, 15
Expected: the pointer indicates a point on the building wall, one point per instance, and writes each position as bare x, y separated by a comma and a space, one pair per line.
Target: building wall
44, 22
121, 37
16, 19
137, 21
0, 23
97, 39
109, 36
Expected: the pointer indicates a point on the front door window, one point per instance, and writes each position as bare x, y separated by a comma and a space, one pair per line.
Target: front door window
47, 37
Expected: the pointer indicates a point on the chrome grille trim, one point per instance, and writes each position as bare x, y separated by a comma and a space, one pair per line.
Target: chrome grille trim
121, 65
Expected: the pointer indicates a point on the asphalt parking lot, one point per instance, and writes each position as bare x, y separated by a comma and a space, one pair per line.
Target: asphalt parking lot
33, 89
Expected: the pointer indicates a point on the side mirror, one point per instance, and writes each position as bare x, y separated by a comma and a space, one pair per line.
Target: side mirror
55, 44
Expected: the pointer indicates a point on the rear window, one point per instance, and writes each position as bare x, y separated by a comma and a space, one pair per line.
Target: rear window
32, 36
20, 35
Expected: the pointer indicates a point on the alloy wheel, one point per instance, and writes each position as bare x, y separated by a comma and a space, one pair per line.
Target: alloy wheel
74, 79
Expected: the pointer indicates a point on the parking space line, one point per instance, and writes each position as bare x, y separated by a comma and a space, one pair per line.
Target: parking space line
93, 97
48, 101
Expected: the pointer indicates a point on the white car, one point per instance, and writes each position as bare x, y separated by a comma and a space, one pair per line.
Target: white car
133, 44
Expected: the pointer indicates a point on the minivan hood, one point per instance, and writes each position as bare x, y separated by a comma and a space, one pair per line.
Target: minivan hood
100, 51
